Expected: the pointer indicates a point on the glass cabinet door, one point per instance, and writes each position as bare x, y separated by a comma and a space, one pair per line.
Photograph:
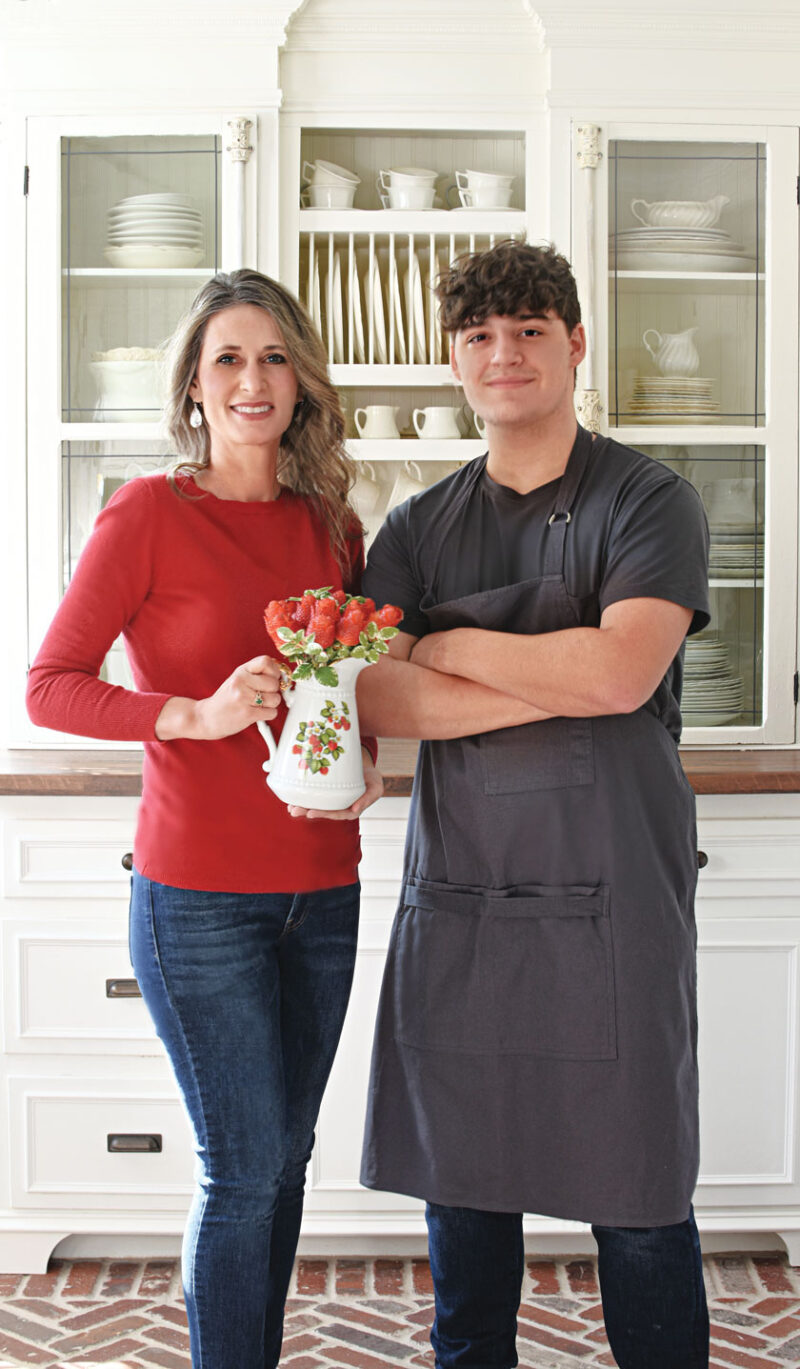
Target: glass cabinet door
140, 231
129, 222
700, 345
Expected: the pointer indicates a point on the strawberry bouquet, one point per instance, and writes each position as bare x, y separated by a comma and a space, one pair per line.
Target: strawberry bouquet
321, 627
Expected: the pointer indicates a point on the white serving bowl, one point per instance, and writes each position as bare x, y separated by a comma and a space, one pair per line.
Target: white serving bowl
146, 255
127, 391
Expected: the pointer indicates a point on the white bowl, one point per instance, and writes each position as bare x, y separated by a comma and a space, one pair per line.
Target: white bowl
163, 197
143, 255
127, 391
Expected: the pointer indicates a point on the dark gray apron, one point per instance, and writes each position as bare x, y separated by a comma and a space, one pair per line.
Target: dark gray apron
536, 1040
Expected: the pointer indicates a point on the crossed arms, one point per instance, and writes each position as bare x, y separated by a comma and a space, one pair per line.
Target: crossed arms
468, 680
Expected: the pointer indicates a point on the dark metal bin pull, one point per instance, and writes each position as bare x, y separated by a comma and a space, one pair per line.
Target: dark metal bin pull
127, 861
702, 860
123, 988
144, 1144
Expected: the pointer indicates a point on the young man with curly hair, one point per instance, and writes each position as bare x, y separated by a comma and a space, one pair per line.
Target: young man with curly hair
536, 1040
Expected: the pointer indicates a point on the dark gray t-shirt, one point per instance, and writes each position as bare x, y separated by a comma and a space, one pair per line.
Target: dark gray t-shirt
638, 530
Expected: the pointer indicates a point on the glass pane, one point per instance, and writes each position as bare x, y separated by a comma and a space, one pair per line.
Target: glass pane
686, 283
140, 232
91, 472
724, 664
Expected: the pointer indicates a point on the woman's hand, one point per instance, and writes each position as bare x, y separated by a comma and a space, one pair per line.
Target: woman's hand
251, 694
374, 782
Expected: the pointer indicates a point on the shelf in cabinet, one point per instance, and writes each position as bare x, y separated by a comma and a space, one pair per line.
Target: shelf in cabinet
442, 222
688, 435
113, 432
716, 583
383, 375
676, 282
120, 275
415, 449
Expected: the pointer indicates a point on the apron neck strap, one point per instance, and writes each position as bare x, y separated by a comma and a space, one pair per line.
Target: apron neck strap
565, 498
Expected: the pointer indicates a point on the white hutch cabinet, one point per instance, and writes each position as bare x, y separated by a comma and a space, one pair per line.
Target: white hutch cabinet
680, 216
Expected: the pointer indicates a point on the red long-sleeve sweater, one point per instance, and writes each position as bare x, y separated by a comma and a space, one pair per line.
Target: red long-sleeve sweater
186, 580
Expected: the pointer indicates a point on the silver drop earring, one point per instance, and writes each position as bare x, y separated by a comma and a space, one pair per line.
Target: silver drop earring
196, 417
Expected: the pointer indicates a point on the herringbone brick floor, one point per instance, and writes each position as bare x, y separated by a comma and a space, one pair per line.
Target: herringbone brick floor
371, 1313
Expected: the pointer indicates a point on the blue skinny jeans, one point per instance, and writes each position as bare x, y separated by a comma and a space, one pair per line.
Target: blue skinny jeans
248, 994
651, 1284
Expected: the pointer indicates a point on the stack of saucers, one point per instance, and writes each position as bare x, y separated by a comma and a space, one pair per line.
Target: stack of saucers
712, 694
672, 249
672, 399
155, 230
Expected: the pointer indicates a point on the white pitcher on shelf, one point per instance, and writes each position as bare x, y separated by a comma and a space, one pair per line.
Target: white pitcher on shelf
674, 353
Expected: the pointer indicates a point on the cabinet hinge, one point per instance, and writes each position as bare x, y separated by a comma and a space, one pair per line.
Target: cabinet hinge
26, 180
796, 686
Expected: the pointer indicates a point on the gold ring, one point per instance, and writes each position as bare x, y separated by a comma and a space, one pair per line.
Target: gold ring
259, 702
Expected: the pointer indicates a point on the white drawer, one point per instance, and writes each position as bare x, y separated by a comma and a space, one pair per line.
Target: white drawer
60, 1156
66, 858
67, 986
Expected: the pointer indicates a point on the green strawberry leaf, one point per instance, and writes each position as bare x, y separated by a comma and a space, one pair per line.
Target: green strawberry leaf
302, 671
326, 675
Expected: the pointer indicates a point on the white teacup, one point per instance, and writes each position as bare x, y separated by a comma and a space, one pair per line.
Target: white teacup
328, 196
328, 173
417, 175
438, 421
366, 491
482, 180
408, 482
489, 197
407, 196
377, 420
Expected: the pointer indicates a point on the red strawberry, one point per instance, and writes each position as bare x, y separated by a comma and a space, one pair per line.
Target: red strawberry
352, 623
323, 628
340, 597
388, 616
302, 610
276, 616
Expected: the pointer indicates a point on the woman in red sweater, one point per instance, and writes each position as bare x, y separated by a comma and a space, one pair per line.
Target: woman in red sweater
243, 913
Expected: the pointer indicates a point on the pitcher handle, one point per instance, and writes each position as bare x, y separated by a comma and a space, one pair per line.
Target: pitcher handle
360, 420
266, 732
637, 215
656, 334
418, 419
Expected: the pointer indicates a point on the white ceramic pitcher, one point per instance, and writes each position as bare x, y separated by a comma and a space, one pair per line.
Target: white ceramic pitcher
317, 762
674, 353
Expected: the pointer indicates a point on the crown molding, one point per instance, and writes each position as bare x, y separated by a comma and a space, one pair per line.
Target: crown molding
722, 25
414, 26
435, 104
651, 105
193, 21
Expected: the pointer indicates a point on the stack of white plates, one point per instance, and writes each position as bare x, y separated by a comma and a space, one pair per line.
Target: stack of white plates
712, 694
155, 230
736, 552
677, 249
672, 399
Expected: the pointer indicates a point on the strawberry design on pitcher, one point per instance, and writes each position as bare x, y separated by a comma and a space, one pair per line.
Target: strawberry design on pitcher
317, 742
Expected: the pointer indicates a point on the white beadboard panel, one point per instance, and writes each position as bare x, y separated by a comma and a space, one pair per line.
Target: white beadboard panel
59, 1150
748, 1024
66, 858
55, 990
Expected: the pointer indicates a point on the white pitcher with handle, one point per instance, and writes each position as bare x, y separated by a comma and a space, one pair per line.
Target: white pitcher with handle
674, 353
317, 762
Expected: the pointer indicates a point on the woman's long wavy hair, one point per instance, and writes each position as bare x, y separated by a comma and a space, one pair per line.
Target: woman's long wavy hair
313, 461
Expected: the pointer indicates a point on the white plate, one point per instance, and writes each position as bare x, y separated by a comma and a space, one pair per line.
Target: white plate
708, 719
154, 235
167, 211
415, 309
378, 316
147, 255
400, 353
359, 351
681, 261
162, 197
335, 304
437, 327
316, 300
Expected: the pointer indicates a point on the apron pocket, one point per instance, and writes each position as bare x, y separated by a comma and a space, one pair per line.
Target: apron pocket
528, 973
554, 754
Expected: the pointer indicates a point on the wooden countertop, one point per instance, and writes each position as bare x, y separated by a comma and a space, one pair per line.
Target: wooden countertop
118, 773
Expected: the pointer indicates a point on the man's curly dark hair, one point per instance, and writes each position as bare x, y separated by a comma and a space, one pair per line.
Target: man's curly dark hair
511, 278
